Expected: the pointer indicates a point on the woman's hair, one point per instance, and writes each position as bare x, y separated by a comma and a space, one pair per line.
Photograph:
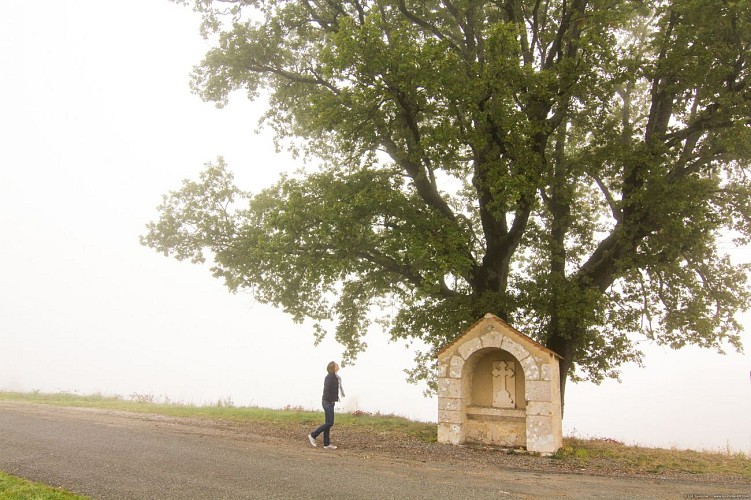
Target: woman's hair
331, 368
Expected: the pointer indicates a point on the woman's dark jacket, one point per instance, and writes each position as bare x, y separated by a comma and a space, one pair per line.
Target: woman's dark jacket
331, 388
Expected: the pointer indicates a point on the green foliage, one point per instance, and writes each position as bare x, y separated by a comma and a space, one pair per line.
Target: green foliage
569, 166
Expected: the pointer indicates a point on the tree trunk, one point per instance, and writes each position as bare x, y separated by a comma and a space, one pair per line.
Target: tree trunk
564, 347
559, 204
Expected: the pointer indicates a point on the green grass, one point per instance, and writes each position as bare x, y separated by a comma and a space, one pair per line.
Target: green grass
15, 488
593, 454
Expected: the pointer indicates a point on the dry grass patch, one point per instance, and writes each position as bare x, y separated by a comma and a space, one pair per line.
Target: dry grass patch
609, 453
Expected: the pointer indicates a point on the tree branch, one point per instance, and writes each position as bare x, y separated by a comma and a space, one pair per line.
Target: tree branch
427, 26
661, 108
360, 11
556, 50
614, 210
425, 188
515, 13
390, 265
465, 29
295, 77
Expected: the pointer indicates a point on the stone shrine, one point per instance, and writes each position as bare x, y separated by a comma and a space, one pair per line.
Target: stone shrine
497, 386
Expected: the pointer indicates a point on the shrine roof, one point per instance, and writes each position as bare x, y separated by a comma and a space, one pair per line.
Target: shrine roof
504, 325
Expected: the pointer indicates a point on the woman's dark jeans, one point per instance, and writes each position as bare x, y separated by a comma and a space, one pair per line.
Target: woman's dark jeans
328, 410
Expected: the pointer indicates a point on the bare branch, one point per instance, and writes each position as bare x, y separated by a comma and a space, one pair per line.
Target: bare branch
425, 188
295, 77
617, 213
427, 26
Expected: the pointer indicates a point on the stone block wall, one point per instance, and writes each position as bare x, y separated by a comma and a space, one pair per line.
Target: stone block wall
537, 425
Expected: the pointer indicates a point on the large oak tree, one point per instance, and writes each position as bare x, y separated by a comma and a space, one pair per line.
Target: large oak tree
568, 165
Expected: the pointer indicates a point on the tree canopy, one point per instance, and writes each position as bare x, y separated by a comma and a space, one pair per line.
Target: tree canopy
568, 165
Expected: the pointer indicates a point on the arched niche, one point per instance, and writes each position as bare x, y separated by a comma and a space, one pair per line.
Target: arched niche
495, 379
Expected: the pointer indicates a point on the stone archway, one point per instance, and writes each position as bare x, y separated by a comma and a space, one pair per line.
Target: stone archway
463, 416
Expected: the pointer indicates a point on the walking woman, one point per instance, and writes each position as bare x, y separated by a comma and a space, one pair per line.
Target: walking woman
332, 388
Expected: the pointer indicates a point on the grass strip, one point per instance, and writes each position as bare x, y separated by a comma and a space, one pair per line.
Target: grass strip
223, 410
608, 453
16, 488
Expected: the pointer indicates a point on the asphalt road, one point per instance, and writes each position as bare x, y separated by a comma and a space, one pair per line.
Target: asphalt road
117, 455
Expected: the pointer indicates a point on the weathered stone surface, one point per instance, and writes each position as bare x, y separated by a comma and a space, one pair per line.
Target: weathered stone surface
515, 349
499, 433
449, 433
449, 404
449, 388
455, 367
540, 436
531, 370
538, 425
538, 390
443, 368
539, 408
546, 372
469, 347
545, 446
450, 416
492, 339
